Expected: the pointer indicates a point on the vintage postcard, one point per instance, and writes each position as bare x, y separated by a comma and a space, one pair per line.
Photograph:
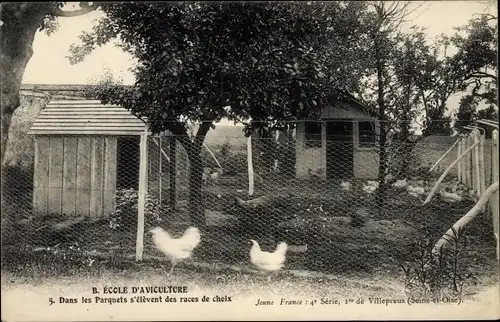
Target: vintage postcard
294, 160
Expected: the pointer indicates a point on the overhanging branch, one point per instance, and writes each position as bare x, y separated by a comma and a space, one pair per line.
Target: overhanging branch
84, 10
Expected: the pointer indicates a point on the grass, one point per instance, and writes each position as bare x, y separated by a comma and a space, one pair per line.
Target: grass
48, 268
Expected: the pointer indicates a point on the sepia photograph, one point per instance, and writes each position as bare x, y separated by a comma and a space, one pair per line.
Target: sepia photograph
249, 160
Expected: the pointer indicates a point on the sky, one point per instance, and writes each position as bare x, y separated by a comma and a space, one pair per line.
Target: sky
49, 64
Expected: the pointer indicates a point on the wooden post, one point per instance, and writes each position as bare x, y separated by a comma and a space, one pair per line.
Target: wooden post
213, 155
436, 185
276, 160
494, 200
477, 169
463, 168
143, 186
459, 167
481, 163
160, 171
443, 156
468, 159
487, 195
173, 170
250, 166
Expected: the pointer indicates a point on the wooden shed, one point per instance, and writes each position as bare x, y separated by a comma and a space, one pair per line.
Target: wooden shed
81, 150
341, 144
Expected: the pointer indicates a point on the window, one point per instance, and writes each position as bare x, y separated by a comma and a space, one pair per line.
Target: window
312, 134
367, 134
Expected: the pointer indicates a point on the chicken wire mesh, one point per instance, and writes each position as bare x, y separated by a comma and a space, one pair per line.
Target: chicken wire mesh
317, 188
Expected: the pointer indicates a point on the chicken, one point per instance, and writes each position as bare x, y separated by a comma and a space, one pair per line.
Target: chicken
401, 184
345, 185
467, 192
266, 261
450, 196
176, 249
214, 177
415, 191
370, 186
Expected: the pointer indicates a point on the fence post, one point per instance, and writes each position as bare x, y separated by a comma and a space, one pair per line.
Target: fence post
462, 162
481, 162
494, 200
459, 167
160, 157
250, 166
441, 178
141, 203
172, 149
442, 157
468, 161
477, 172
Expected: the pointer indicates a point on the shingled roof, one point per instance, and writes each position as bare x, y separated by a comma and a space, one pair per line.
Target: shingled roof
79, 117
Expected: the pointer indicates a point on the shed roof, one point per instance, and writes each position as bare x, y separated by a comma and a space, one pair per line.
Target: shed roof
79, 117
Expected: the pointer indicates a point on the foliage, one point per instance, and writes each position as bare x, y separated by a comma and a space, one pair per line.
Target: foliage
431, 275
125, 215
476, 69
381, 87
475, 64
20, 22
468, 113
199, 62
105, 80
268, 61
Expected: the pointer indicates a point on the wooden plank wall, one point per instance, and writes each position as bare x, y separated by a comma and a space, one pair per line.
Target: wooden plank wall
110, 162
41, 174
75, 175
83, 174
69, 192
96, 177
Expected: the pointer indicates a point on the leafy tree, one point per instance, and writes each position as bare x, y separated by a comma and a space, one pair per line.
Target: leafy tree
382, 53
475, 63
468, 113
410, 58
436, 83
476, 69
20, 21
199, 62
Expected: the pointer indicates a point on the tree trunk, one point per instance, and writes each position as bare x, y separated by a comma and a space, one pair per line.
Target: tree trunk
193, 150
20, 24
382, 153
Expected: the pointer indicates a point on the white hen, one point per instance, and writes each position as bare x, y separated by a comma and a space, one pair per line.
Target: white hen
451, 196
176, 249
345, 185
370, 186
415, 191
401, 184
266, 261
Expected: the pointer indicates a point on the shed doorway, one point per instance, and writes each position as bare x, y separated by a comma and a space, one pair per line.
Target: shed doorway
339, 149
128, 158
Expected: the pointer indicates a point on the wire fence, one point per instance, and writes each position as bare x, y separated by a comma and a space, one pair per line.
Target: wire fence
324, 196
